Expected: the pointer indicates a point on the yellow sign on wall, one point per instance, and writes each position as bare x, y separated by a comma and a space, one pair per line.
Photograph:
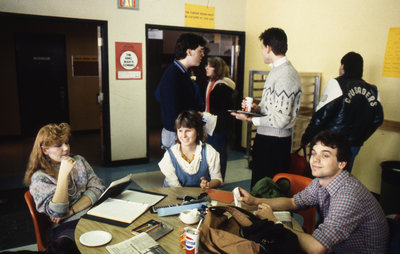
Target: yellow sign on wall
199, 16
391, 64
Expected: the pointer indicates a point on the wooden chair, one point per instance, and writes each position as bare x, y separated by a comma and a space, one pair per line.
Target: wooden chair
40, 222
297, 184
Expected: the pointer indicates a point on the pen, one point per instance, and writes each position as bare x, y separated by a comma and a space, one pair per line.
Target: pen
154, 227
144, 227
148, 227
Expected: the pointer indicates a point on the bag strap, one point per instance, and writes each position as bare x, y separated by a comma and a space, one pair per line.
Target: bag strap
242, 216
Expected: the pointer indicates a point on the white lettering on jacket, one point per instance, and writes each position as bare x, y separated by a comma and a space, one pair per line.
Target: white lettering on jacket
361, 91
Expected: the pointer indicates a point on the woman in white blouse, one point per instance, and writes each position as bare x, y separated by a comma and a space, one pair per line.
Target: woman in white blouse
191, 162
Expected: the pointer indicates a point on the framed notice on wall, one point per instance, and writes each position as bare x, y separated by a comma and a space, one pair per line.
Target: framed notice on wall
199, 16
85, 66
391, 63
128, 60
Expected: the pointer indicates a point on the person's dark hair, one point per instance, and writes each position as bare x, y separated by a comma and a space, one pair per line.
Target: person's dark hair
221, 69
353, 65
187, 41
275, 38
334, 140
191, 119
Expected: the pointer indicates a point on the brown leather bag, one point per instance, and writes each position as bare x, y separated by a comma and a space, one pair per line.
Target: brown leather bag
221, 234
224, 227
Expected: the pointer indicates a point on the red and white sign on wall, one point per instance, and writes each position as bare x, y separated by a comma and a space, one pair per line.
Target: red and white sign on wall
128, 4
128, 60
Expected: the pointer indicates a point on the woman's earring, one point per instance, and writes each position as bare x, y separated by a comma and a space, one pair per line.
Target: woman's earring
47, 158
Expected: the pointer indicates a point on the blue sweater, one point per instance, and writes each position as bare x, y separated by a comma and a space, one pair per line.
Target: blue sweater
176, 93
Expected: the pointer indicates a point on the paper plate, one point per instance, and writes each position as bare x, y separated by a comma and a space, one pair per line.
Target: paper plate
95, 238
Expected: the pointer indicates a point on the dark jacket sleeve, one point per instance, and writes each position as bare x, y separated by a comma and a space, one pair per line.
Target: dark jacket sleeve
321, 119
378, 120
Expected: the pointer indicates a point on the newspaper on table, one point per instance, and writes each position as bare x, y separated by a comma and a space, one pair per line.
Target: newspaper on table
139, 244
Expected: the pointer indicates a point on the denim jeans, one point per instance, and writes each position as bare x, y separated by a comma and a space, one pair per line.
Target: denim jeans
219, 142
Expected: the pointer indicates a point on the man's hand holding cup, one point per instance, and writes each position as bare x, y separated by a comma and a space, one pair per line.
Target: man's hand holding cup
247, 104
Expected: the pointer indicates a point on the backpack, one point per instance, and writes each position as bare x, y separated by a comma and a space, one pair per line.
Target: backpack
267, 188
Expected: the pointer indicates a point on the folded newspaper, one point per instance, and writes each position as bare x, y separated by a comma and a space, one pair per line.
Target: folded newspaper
139, 244
285, 217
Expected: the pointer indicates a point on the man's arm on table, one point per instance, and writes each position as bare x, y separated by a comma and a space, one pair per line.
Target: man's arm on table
266, 206
277, 204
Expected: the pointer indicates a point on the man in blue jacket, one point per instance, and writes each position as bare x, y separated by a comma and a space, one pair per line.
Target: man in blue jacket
176, 91
349, 105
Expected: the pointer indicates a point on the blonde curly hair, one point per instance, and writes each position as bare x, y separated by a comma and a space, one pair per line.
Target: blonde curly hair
48, 135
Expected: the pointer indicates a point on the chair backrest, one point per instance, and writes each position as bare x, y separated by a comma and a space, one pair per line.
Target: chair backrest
40, 222
297, 184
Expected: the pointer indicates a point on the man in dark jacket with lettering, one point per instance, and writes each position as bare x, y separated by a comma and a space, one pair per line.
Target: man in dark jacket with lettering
349, 105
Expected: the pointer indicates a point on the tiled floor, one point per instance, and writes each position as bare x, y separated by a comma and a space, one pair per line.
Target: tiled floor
31, 247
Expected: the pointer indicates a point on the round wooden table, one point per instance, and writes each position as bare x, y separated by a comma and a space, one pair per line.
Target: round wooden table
169, 242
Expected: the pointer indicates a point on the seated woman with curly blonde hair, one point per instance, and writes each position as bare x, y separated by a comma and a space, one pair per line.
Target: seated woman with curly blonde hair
63, 186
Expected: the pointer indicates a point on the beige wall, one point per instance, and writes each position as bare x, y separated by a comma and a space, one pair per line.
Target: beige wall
128, 118
319, 33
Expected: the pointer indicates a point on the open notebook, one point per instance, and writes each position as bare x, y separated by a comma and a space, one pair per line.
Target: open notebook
121, 208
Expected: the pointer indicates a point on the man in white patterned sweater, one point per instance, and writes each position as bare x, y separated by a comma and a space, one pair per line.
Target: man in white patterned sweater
279, 104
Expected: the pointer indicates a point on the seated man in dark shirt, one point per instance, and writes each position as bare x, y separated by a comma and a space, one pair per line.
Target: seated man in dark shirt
353, 221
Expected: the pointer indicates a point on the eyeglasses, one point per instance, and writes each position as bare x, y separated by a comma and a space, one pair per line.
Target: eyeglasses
200, 50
